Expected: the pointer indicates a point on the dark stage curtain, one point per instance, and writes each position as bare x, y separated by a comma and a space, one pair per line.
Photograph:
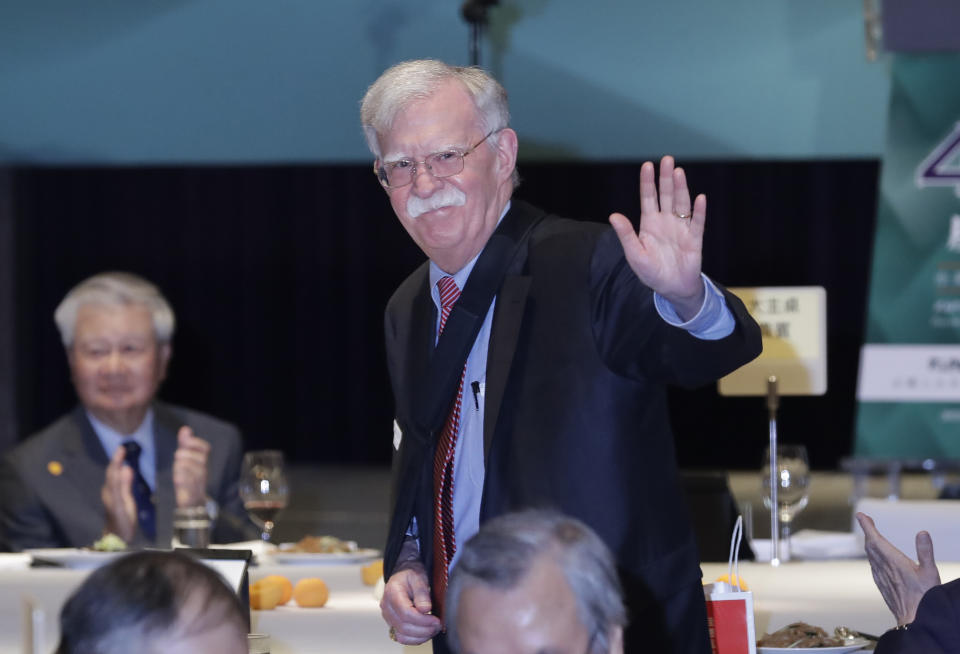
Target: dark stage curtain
279, 276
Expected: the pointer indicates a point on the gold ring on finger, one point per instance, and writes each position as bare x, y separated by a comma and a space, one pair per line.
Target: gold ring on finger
393, 634
681, 216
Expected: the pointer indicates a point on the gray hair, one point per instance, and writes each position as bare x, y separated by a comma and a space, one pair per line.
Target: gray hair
115, 289
410, 81
504, 550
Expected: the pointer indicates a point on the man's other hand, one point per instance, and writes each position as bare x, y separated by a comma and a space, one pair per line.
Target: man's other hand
117, 497
901, 581
406, 606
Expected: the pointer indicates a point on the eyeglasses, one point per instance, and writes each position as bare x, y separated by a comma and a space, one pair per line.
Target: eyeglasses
394, 174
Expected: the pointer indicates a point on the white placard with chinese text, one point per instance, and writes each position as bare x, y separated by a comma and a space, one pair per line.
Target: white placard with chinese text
909, 373
793, 322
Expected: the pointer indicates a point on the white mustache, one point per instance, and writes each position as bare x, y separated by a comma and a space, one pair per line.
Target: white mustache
448, 196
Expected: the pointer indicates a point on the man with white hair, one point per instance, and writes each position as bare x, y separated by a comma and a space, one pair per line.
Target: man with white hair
535, 581
529, 357
121, 461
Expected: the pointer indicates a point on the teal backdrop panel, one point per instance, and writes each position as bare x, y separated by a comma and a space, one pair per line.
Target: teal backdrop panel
248, 81
909, 385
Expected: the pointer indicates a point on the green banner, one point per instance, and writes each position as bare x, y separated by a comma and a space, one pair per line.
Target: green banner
909, 384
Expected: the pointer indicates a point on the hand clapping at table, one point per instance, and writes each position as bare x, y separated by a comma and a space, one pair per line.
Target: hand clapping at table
901, 581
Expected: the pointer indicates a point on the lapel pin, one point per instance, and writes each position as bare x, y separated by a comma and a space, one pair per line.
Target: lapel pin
55, 468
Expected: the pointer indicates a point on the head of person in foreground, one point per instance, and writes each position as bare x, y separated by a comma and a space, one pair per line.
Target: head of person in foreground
535, 582
153, 602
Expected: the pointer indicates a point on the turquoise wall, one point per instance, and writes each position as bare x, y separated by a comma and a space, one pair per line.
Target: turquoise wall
254, 81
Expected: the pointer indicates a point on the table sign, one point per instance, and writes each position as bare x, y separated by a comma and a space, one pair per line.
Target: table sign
793, 324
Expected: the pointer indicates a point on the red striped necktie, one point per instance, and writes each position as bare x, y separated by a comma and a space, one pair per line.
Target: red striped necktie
444, 541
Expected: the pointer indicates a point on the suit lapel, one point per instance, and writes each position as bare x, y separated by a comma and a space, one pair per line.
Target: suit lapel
165, 426
504, 333
420, 344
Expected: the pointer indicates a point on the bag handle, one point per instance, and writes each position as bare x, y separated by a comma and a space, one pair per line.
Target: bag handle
733, 561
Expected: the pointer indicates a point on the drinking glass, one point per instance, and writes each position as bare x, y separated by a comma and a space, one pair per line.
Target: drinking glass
263, 488
258, 644
191, 526
793, 492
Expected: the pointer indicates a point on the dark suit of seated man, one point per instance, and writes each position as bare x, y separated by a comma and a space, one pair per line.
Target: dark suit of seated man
121, 461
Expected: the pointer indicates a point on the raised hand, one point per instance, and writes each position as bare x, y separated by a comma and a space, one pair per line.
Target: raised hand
666, 251
901, 581
117, 497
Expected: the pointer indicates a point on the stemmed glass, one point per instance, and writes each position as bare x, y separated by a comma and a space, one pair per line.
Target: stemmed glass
263, 488
793, 492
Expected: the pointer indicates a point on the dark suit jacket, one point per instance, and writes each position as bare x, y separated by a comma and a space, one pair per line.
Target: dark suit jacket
42, 505
936, 629
575, 406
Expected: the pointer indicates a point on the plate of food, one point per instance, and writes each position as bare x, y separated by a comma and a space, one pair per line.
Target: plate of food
803, 637
71, 557
102, 551
853, 646
323, 549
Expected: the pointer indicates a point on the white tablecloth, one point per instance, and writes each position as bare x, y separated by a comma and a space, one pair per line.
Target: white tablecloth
822, 593
350, 622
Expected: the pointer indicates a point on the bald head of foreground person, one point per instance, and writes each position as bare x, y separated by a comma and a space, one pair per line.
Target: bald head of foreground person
154, 603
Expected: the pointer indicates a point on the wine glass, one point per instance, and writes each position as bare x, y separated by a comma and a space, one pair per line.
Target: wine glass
793, 492
263, 488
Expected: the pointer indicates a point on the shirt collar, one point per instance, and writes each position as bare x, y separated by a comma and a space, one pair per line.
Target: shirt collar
112, 439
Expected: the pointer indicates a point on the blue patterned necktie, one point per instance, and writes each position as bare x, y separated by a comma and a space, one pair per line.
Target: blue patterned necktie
146, 512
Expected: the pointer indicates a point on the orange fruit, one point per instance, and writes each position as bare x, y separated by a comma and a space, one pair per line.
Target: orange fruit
372, 572
281, 581
738, 582
264, 597
311, 592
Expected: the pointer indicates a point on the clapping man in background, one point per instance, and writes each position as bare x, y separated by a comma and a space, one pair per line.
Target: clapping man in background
121, 460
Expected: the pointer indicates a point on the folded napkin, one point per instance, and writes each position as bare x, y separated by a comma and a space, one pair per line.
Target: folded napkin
817, 544
814, 544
